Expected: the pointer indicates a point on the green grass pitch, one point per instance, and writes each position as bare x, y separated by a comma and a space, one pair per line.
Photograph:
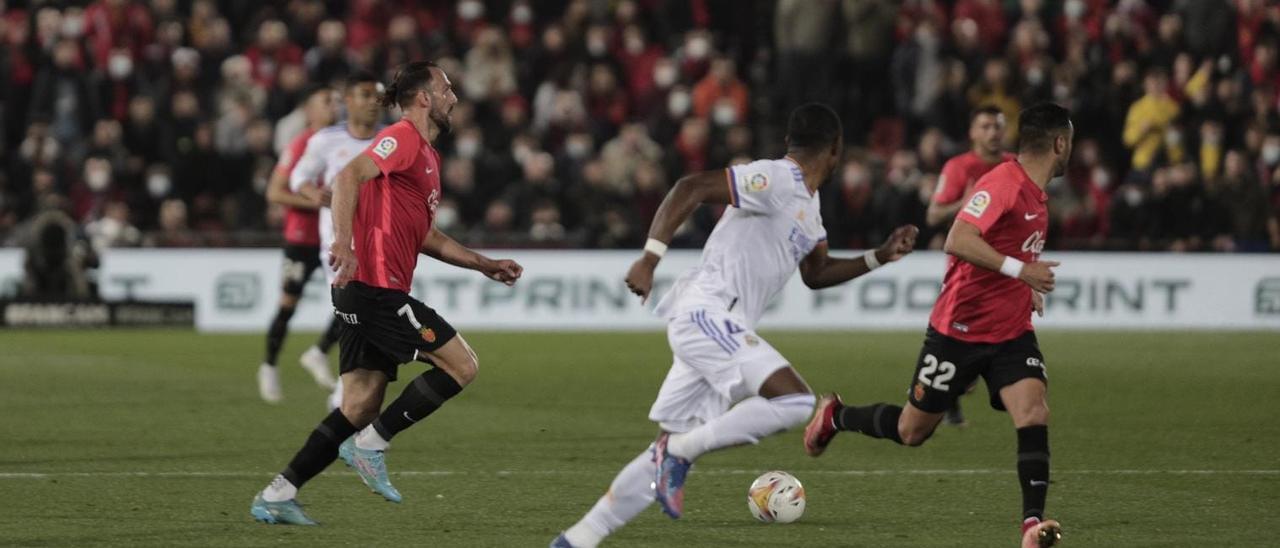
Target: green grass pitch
157, 438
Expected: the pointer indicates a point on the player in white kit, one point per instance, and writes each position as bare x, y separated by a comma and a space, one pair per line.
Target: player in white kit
727, 386
330, 150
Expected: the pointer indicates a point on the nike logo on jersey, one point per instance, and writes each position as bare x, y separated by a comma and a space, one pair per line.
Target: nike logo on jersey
407, 417
430, 171
1026, 216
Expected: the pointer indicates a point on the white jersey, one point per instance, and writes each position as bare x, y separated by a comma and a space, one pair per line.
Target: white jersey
775, 222
328, 151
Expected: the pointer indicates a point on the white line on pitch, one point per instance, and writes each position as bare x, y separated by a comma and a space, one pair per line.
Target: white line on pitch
726, 472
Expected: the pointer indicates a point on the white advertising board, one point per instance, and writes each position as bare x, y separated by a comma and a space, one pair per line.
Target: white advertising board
237, 290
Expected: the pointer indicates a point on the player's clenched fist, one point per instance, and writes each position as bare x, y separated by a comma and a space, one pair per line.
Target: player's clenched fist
343, 261
900, 243
1039, 275
640, 277
506, 271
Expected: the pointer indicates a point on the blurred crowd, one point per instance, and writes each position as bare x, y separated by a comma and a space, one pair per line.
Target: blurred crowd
157, 122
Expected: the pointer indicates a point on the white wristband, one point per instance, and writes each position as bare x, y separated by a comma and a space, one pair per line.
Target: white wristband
1011, 267
655, 247
872, 262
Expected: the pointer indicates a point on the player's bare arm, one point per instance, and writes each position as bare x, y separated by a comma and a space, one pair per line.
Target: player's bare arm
321, 196
691, 191
346, 191
819, 269
278, 193
440, 246
966, 243
939, 214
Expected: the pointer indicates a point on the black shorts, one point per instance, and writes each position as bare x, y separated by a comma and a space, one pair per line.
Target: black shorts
384, 328
299, 262
947, 366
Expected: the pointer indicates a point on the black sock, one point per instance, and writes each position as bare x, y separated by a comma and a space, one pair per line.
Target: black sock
423, 396
878, 421
329, 336
1033, 469
320, 450
276, 333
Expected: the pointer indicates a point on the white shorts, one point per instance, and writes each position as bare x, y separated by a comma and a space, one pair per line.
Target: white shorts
717, 362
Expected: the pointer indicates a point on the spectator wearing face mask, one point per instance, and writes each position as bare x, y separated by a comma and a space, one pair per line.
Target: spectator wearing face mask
721, 95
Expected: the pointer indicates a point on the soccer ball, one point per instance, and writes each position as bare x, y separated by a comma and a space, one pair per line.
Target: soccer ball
776, 497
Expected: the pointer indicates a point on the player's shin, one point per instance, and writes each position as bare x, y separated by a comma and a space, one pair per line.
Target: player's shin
877, 421
420, 398
1033, 469
329, 336
629, 494
320, 449
276, 334
747, 422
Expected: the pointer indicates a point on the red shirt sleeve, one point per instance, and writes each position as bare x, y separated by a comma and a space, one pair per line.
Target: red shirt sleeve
991, 198
292, 154
394, 148
952, 182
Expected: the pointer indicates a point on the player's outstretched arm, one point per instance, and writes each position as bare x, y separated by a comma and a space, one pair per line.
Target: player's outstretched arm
346, 191
441, 247
966, 243
706, 187
819, 269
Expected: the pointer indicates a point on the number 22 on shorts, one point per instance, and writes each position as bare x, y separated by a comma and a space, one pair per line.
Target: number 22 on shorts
941, 373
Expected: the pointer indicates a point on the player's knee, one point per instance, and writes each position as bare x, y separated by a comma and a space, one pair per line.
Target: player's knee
359, 411
1032, 414
288, 302
913, 435
794, 409
463, 371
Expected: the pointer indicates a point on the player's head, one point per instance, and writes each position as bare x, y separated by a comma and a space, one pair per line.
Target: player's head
423, 85
318, 106
986, 129
814, 131
363, 98
1045, 129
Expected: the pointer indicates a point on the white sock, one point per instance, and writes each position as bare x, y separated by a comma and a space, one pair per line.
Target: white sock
334, 400
369, 440
629, 494
279, 490
747, 422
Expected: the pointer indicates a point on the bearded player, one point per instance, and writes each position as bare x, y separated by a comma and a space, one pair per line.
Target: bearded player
384, 205
981, 323
959, 174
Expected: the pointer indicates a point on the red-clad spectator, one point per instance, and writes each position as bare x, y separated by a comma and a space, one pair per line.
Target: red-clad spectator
990, 18
112, 24
691, 147
271, 51
468, 21
520, 29
721, 87
1264, 70
606, 101
638, 58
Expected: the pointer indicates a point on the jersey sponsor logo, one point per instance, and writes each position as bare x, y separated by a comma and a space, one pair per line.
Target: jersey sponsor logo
978, 203
385, 147
757, 182
1034, 243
